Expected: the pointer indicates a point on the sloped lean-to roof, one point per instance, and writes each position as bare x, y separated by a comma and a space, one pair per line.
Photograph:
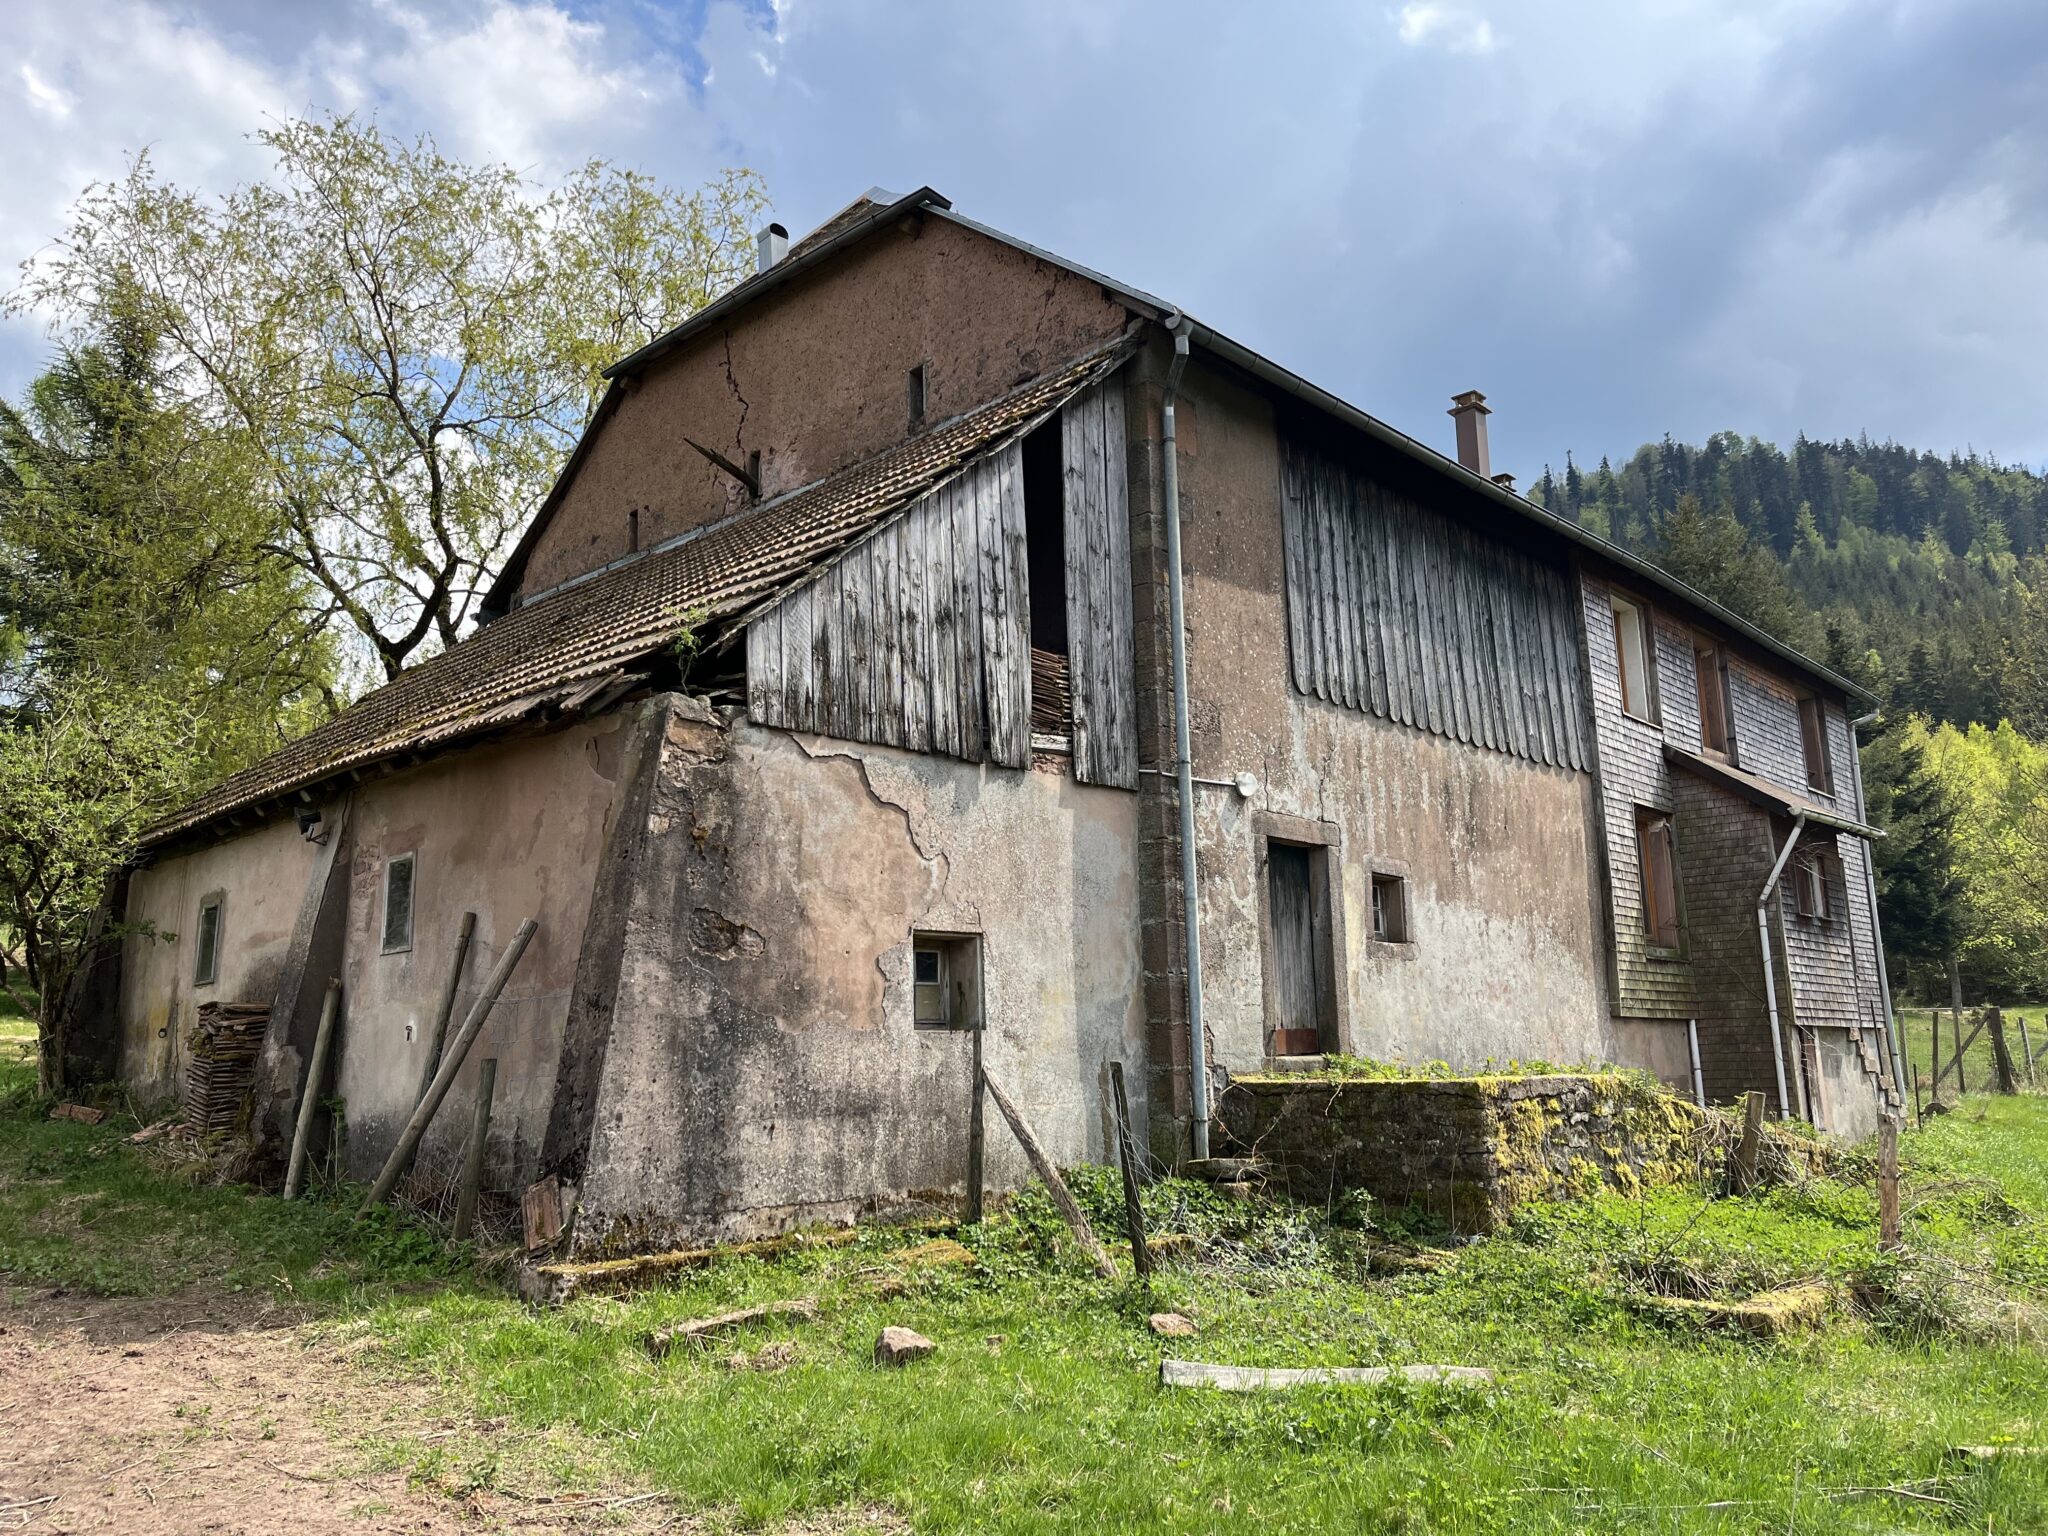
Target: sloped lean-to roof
572, 646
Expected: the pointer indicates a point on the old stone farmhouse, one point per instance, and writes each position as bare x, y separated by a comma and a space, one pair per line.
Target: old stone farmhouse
827, 714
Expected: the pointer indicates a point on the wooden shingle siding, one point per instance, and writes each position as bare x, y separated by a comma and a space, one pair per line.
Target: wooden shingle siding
1395, 610
1633, 773
915, 637
1098, 540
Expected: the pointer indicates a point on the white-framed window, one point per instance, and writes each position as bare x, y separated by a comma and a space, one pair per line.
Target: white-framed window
206, 941
1633, 648
398, 893
1389, 909
945, 980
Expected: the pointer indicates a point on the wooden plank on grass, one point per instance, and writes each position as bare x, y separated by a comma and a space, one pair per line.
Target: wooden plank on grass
1244, 1378
702, 1330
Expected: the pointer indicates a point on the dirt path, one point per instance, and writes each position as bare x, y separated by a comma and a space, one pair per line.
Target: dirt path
208, 1415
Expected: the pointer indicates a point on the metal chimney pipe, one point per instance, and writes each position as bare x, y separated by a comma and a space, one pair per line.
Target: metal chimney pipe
770, 246
1470, 411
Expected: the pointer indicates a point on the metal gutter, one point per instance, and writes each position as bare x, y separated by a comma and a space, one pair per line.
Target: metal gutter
1198, 1044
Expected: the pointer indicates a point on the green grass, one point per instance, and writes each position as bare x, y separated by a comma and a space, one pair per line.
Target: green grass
1917, 1032
1041, 1410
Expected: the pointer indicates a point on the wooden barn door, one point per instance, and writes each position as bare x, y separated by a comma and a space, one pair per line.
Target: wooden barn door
1298, 983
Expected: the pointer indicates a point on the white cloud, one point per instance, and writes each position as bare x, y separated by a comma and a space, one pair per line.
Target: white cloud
44, 97
1424, 21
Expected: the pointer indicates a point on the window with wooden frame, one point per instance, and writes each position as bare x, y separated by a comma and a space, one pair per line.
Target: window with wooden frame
1633, 649
1390, 909
206, 945
398, 874
1710, 672
1657, 860
1813, 741
945, 976
1810, 884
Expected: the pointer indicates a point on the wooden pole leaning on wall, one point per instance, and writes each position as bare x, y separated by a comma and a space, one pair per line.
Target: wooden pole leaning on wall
1887, 1184
309, 1100
444, 1007
976, 1135
1062, 1197
2008, 1080
423, 1116
1749, 1150
473, 1162
1127, 1160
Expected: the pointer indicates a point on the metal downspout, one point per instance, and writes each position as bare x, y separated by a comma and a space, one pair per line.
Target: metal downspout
1198, 1048
1884, 978
1763, 933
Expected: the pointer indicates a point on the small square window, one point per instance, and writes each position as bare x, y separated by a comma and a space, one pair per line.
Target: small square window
398, 905
1813, 743
1633, 648
945, 978
1390, 909
206, 951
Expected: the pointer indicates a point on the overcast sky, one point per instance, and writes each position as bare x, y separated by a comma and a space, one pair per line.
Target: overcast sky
1619, 218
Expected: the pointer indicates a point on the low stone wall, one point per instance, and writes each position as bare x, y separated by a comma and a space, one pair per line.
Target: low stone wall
1470, 1149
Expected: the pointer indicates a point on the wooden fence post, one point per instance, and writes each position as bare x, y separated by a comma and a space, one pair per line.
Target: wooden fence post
473, 1163
1127, 1157
1749, 1150
2001, 1054
976, 1136
1887, 1184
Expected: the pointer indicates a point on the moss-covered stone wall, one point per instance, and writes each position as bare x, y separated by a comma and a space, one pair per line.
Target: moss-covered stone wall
1470, 1149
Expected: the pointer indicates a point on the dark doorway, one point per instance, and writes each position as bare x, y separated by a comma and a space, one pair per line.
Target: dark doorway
1045, 538
1300, 984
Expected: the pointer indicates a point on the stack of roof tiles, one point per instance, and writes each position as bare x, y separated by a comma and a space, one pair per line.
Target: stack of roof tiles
223, 1067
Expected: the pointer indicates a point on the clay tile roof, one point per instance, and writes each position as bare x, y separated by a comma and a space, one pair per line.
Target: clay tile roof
566, 646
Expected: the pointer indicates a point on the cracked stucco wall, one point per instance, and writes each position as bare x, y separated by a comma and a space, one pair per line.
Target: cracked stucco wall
815, 376
763, 1071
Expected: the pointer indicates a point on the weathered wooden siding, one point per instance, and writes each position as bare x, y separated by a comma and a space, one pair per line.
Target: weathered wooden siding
917, 636
1098, 539
1397, 610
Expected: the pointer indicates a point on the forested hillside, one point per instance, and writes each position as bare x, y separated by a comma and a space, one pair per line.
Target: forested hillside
1917, 573
1922, 576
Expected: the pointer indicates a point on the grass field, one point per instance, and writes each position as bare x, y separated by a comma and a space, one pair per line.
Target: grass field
1917, 1030
1042, 1409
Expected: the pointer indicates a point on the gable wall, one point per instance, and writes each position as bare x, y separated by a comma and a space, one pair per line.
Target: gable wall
814, 377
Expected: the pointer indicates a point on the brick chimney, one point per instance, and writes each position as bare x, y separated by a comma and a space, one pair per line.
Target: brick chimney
1470, 411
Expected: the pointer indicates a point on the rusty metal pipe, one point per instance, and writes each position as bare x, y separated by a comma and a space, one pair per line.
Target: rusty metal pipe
1198, 1050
